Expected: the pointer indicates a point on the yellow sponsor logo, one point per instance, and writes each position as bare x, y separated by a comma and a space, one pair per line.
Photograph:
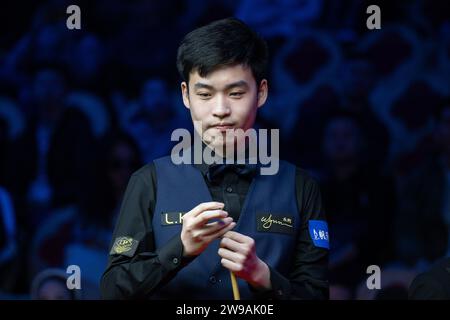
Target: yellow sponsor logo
268, 221
123, 244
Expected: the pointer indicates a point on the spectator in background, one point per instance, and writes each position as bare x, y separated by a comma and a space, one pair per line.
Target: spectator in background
29, 175
304, 70
12, 246
70, 157
279, 18
413, 109
69, 166
88, 66
357, 80
25, 173
359, 202
394, 283
434, 284
422, 226
80, 232
50, 284
152, 119
8, 243
121, 155
43, 43
310, 123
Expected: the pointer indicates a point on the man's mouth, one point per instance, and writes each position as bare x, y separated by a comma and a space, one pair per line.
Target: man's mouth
223, 126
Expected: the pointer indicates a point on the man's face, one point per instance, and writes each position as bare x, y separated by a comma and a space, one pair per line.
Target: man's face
226, 99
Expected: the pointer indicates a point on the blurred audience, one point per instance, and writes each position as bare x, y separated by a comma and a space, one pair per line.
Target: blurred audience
434, 284
151, 119
423, 219
359, 201
79, 231
50, 284
81, 110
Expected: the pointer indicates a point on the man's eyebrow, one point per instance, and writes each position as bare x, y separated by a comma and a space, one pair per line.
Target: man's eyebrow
241, 83
200, 85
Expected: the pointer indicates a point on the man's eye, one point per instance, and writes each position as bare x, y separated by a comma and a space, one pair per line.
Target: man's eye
203, 95
236, 94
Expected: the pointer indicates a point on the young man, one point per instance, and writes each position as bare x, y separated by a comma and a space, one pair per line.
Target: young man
263, 228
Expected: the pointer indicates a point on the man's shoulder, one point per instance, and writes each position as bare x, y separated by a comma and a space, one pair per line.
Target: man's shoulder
145, 172
307, 176
304, 178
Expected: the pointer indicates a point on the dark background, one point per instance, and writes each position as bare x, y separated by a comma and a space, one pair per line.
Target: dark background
80, 110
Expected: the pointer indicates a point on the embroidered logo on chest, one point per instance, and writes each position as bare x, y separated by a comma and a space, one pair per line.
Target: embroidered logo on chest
267, 222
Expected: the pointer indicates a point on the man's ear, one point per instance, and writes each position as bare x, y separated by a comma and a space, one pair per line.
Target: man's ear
185, 94
263, 91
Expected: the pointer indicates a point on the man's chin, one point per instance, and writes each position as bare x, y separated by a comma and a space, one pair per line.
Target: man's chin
216, 145
221, 145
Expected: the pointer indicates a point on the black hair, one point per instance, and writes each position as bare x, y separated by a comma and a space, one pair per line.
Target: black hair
225, 42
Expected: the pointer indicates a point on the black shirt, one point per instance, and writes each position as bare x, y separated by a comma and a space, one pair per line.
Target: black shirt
139, 275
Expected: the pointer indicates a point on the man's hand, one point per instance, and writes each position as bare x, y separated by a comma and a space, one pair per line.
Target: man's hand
197, 233
238, 254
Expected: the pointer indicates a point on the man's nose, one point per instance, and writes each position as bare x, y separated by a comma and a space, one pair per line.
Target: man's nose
221, 108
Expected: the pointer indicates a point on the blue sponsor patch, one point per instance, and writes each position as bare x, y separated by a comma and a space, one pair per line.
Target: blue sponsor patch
318, 230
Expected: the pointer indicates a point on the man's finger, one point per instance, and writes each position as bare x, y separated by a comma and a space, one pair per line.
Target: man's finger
236, 236
213, 205
230, 255
230, 244
213, 227
230, 265
220, 232
205, 216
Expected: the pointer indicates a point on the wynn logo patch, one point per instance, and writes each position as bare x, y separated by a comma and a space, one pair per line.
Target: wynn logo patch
267, 222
